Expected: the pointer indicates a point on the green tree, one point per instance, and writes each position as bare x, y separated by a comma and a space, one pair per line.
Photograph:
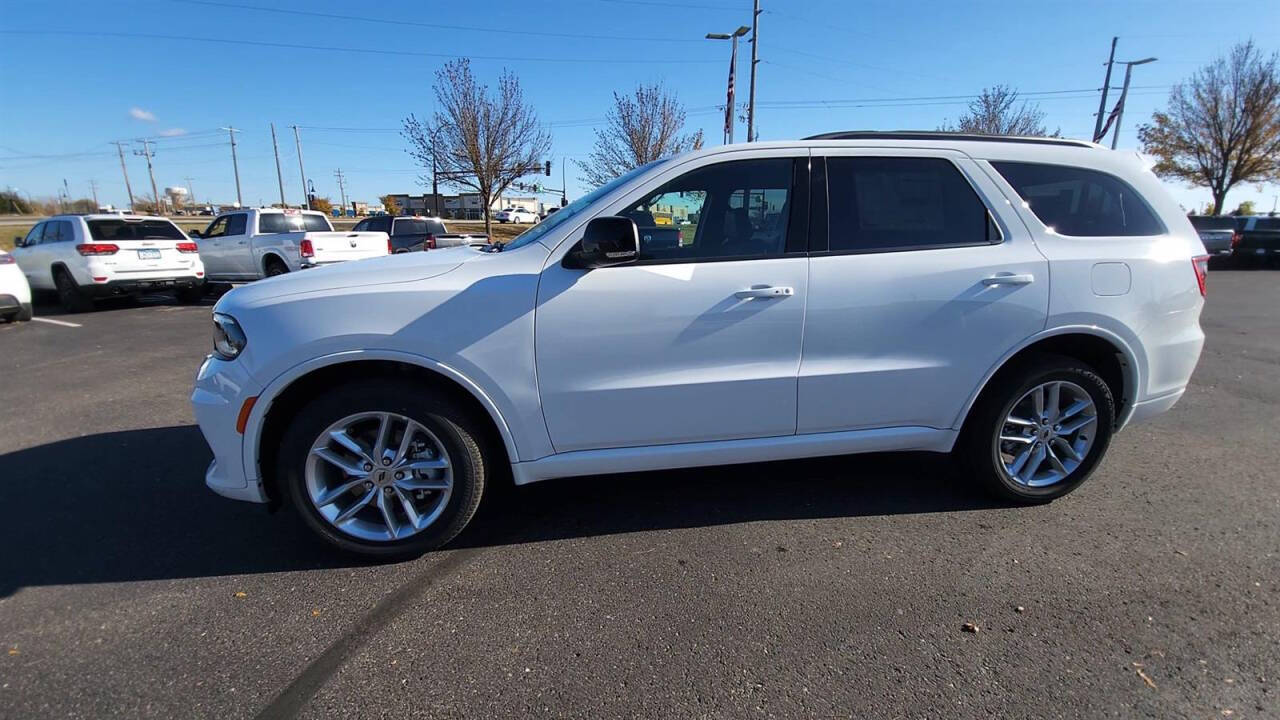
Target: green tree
1244, 208
389, 204
322, 204
13, 204
1222, 126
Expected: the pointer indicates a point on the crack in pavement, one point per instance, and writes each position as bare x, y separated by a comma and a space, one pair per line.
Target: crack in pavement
290, 701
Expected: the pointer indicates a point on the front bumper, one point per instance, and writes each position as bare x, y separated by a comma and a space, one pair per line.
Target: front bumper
221, 390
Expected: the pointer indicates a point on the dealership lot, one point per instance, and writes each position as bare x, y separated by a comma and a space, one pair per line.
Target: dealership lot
820, 588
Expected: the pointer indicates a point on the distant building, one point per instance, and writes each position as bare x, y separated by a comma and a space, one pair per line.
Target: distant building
464, 206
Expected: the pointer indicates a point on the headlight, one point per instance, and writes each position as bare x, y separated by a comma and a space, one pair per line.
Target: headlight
228, 338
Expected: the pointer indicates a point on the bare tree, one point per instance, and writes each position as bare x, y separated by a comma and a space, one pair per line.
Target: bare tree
1222, 126
640, 128
997, 112
476, 140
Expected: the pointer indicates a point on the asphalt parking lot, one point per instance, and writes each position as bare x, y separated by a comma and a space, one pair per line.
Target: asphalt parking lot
833, 588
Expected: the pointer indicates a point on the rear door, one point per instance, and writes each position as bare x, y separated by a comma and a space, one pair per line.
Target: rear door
919, 285
146, 247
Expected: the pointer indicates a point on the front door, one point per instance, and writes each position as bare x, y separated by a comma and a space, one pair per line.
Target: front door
212, 249
698, 340
923, 288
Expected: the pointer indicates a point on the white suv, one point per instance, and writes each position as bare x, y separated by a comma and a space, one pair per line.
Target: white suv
85, 257
1015, 301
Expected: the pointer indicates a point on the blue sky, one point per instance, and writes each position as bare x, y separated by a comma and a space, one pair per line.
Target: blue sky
77, 76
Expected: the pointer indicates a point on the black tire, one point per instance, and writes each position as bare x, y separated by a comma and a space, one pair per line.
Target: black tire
24, 313
192, 295
976, 446
274, 266
452, 423
72, 298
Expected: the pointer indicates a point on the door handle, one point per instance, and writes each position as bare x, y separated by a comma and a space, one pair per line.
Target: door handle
1009, 279
765, 292
243, 242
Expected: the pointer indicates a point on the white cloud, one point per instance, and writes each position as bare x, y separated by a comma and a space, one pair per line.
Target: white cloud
173, 132
140, 114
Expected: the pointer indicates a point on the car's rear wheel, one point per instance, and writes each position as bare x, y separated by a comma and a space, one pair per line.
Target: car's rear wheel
24, 313
1040, 430
379, 469
190, 295
70, 296
274, 266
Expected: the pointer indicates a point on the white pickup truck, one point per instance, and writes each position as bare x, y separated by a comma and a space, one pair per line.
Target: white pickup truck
261, 242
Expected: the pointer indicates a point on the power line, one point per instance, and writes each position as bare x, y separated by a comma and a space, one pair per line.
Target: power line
411, 23
367, 51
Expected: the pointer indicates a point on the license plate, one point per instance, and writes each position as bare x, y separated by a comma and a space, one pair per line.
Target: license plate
148, 254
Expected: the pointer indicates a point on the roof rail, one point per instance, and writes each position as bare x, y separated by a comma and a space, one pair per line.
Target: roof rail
944, 135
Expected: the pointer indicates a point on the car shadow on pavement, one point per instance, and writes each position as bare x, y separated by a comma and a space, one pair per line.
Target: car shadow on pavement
132, 505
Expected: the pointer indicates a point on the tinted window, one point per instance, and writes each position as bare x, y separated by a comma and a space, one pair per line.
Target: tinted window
315, 223
734, 209
57, 231
217, 228
1267, 224
133, 230
1079, 202
379, 224
236, 224
902, 203
1205, 222
269, 223
33, 235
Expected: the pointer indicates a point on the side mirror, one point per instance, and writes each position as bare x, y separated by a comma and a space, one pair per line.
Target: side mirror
608, 241
19, 241
194, 233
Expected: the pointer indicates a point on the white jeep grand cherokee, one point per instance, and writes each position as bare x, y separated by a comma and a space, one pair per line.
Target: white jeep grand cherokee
1014, 301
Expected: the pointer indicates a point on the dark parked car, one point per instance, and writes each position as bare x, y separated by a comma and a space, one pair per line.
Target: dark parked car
1259, 238
1217, 232
411, 234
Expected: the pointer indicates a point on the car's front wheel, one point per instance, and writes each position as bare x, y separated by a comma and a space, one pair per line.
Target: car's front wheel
1040, 430
379, 469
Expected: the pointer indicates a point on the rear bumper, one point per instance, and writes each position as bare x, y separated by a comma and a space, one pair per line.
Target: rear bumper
1150, 408
127, 287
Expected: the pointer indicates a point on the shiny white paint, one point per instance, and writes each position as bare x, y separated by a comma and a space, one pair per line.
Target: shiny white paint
13, 282
645, 367
244, 256
37, 261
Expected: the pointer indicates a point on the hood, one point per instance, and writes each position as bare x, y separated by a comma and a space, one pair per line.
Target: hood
391, 269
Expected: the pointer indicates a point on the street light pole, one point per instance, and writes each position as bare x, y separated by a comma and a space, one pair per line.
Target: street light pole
1106, 85
1124, 95
733, 72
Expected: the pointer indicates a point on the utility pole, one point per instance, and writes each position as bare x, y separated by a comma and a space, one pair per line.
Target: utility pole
1124, 95
93, 188
279, 177
148, 153
729, 120
435, 186
191, 191
235, 165
755, 45
564, 188
128, 188
1106, 85
66, 194
297, 143
342, 189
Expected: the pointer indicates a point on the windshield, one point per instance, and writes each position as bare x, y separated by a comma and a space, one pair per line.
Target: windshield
271, 223
1213, 223
134, 230
563, 214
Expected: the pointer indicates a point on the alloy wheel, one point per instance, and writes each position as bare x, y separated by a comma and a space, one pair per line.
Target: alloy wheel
1046, 434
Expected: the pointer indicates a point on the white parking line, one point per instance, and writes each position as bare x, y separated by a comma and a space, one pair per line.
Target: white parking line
51, 321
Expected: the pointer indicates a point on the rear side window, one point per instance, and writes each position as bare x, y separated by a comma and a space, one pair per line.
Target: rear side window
903, 203
269, 223
1267, 224
1079, 202
134, 230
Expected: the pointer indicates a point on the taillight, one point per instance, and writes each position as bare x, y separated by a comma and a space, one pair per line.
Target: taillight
97, 249
1235, 240
6, 259
431, 242
390, 250
1201, 265
187, 247
306, 249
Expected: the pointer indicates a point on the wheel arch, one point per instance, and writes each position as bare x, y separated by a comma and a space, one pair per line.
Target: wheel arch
267, 257
288, 393
1113, 358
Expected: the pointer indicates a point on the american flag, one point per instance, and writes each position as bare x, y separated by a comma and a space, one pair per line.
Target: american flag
728, 107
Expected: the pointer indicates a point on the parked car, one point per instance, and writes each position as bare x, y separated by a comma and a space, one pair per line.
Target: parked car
15, 293
411, 233
261, 242
1217, 232
904, 304
1259, 238
87, 257
516, 215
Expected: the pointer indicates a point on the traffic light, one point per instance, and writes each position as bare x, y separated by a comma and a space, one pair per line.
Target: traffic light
547, 169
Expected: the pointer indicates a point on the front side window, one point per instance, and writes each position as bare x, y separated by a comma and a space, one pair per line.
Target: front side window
1083, 203
879, 204
33, 235
735, 209
236, 224
217, 228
